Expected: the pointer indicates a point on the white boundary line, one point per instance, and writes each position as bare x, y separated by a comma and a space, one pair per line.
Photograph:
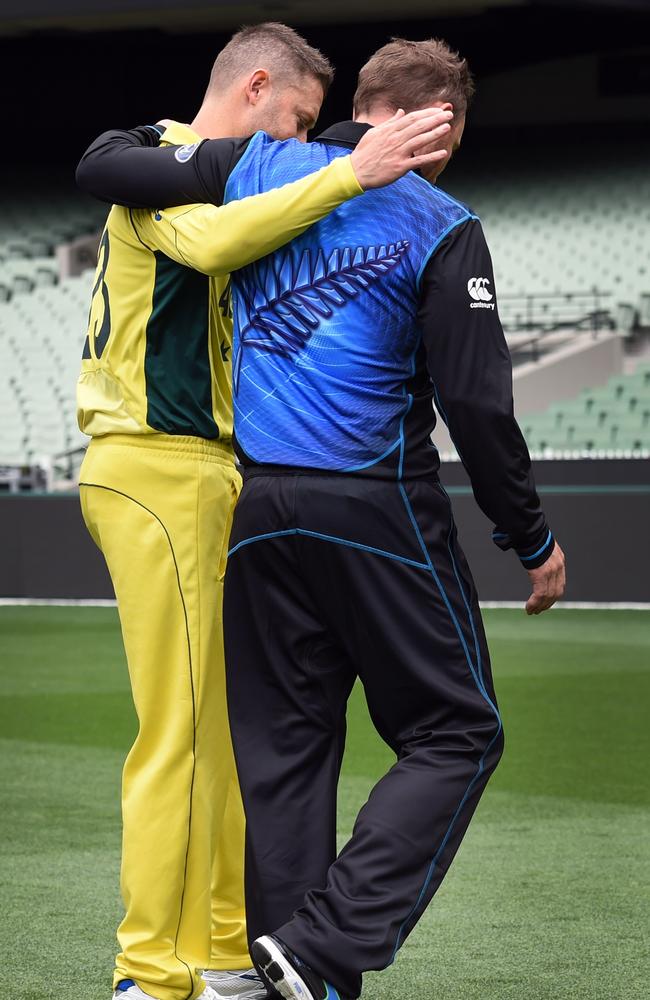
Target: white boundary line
576, 605
57, 602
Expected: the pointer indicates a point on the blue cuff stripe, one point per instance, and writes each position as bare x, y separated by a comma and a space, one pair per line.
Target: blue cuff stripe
539, 551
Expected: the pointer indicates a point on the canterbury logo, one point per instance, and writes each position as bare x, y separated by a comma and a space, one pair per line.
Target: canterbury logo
480, 293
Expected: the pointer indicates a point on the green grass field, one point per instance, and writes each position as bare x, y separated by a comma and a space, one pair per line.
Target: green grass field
549, 898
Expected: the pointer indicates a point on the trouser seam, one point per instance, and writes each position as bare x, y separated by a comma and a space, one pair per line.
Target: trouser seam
110, 489
482, 691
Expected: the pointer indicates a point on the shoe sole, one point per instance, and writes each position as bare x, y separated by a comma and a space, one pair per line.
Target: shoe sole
278, 970
242, 989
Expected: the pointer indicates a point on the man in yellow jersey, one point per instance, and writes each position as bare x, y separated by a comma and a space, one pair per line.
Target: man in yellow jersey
159, 484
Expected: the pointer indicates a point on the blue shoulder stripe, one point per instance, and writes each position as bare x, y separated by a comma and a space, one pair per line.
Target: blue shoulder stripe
452, 225
256, 141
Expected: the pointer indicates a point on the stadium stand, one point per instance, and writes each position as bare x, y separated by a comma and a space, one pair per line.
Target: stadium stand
42, 318
587, 226
568, 235
570, 252
40, 334
600, 422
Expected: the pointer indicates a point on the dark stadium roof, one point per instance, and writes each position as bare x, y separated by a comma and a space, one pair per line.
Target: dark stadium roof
20, 16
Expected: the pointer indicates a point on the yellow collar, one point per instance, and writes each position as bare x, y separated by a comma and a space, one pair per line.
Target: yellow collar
178, 134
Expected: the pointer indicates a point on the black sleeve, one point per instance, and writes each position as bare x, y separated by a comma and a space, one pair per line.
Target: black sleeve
469, 363
128, 168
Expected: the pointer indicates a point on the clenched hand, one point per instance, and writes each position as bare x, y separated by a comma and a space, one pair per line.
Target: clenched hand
548, 582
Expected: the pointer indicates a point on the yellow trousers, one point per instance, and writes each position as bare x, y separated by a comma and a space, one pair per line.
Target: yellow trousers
160, 509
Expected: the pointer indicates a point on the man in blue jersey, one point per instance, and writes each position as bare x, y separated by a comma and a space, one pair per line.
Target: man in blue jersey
344, 560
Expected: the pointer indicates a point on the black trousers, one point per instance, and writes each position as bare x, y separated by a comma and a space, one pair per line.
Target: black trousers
331, 578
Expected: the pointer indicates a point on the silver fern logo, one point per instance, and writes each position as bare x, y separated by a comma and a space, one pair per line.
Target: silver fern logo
285, 301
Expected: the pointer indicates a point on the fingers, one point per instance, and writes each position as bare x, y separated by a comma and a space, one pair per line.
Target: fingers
402, 143
413, 120
402, 128
537, 603
427, 123
543, 600
534, 604
550, 591
415, 162
430, 138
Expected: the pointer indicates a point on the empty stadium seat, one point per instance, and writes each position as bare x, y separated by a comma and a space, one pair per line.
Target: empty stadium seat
610, 418
42, 327
546, 238
564, 226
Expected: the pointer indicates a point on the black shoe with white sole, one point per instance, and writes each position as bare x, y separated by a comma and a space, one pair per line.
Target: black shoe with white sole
284, 973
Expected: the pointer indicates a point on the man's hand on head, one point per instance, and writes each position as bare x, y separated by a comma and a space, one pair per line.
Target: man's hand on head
402, 143
549, 581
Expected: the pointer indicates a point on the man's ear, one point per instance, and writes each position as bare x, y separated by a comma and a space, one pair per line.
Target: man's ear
257, 84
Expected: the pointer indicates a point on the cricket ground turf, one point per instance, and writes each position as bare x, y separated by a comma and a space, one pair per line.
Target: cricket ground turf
548, 899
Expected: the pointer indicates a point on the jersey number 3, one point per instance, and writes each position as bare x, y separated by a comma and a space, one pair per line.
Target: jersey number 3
101, 335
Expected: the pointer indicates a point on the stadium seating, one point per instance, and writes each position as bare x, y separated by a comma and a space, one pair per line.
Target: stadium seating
610, 419
61, 216
42, 319
40, 346
42, 324
553, 239
569, 224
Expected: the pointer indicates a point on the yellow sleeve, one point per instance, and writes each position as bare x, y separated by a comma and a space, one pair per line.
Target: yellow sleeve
219, 239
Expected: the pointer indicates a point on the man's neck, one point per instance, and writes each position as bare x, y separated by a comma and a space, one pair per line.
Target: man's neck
213, 123
376, 116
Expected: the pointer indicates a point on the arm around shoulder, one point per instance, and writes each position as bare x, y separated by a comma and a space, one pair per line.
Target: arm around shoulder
217, 240
129, 168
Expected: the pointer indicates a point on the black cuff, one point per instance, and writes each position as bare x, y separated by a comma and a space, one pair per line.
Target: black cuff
531, 554
155, 132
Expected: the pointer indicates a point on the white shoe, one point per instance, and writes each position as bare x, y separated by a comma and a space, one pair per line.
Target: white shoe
133, 992
127, 990
238, 985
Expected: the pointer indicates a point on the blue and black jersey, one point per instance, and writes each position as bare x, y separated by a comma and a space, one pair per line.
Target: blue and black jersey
345, 337
325, 359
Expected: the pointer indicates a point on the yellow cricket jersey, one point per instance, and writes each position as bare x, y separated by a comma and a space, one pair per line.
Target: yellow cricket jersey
158, 350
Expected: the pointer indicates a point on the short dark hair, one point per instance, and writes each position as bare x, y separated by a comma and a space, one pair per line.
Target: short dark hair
276, 45
410, 75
